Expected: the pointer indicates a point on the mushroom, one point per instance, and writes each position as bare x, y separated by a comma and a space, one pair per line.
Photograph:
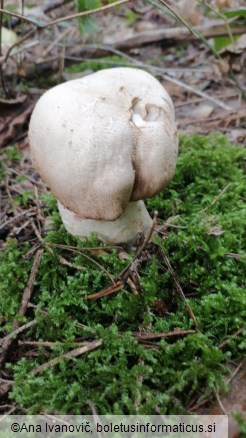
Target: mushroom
103, 144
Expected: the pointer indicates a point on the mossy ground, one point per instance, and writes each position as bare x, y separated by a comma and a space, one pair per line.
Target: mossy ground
204, 244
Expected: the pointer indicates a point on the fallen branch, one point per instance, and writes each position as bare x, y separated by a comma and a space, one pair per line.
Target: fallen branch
176, 34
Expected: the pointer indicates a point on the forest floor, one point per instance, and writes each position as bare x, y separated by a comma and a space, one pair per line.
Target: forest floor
204, 75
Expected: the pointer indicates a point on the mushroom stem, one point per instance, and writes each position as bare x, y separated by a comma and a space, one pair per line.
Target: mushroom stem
124, 229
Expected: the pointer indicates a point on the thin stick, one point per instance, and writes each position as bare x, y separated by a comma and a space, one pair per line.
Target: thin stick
149, 336
21, 17
1, 26
18, 43
222, 16
178, 16
19, 330
85, 13
47, 245
220, 403
107, 291
235, 372
47, 343
234, 335
179, 289
17, 217
122, 278
73, 353
7, 341
217, 197
124, 274
30, 284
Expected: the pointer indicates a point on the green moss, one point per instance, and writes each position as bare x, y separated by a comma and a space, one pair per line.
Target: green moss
205, 247
97, 64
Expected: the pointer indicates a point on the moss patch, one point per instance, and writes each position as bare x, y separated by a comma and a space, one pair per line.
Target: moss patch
204, 244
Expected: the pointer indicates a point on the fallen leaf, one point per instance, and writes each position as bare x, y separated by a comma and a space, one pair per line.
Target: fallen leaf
203, 111
215, 231
13, 117
221, 67
237, 48
237, 136
220, 4
188, 10
9, 38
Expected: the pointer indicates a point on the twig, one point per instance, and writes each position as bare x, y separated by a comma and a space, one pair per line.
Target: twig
196, 91
235, 371
17, 331
17, 217
124, 274
234, 114
122, 278
234, 335
1, 69
96, 418
179, 288
7, 341
217, 197
73, 353
30, 285
222, 407
21, 17
1, 26
177, 34
64, 261
107, 291
36, 231
47, 343
149, 336
66, 18
222, 16
85, 13
178, 16
18, 43
232, 255
45, 7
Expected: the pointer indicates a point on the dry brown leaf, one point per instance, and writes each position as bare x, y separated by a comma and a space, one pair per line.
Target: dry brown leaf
221, 67
188, 10
220, 4
12, 119
238, 47
203, 111
215, 231
9, 38
237, 136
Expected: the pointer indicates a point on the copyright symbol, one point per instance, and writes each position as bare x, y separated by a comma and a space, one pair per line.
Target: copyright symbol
15, 427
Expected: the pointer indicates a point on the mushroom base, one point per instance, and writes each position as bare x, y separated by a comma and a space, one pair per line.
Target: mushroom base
124, 229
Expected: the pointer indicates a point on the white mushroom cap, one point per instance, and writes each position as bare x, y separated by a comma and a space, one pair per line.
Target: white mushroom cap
104, 140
